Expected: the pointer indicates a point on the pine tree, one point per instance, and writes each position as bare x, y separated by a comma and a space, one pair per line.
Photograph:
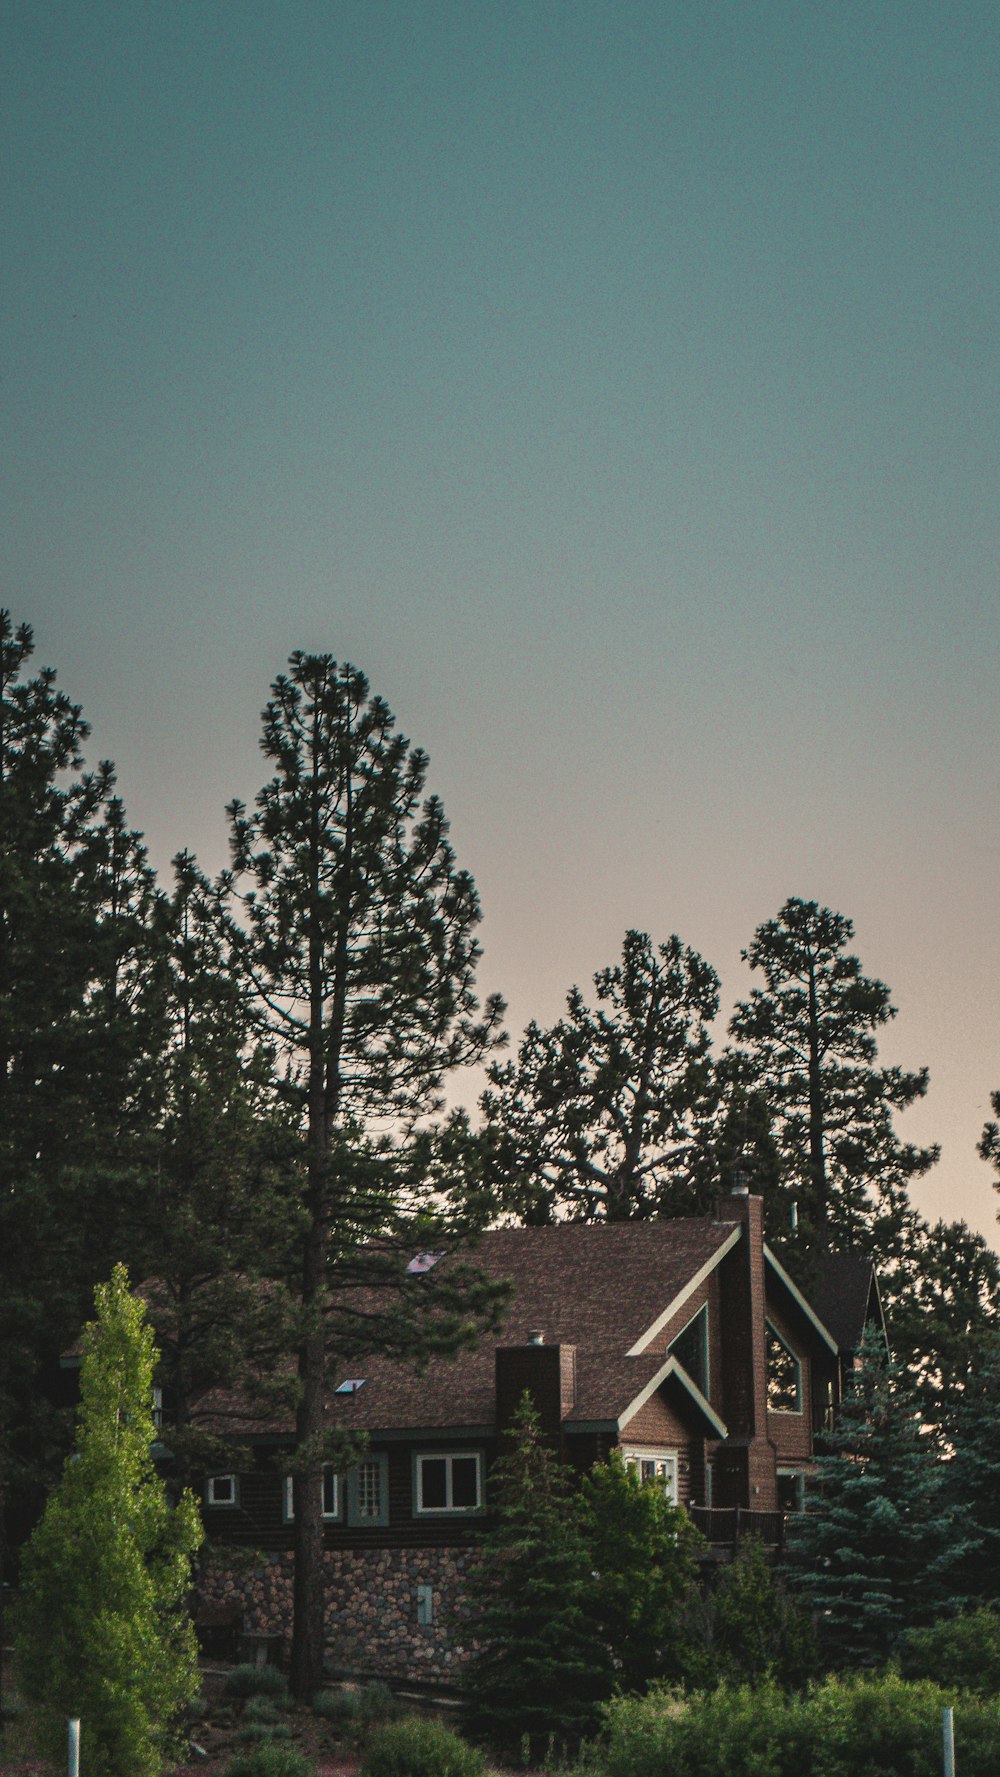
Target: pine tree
974, 1476
103, 1628
880, 1544
808, 1043
942, 1295
540, 1668
353, 935
606, 1114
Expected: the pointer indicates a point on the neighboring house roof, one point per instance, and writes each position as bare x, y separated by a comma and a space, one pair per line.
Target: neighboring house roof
605, 1288
845, 1296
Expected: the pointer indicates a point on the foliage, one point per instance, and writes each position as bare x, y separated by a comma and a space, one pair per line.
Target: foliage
878, 1547
605, 1115
973, 1476
378, 1704
808, 1043
420, 1747
262, 1708
643, 1552
753, 1629
861, 1727
353, 937
250, 1680
539, 1667
942, 1293
341, 1707
103, 1628
963, 1653
272, 1758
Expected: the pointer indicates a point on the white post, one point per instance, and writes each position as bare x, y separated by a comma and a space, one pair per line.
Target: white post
73, 1748
948, 1738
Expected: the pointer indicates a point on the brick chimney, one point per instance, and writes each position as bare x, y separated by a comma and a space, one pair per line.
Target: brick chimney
548, 1372
745, 1466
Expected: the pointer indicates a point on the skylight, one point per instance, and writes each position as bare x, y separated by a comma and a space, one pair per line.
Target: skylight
350, 1386
422, 1262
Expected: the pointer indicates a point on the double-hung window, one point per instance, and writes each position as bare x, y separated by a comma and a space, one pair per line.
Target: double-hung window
658, 1467
332, 1497
448, 1482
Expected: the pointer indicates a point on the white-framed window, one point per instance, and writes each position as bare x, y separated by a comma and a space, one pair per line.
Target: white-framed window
368, 1492
448, 1481
690, 1348
784, 1375
656, 1466
221, 1490
332, 1497
791, 1490
157, 1407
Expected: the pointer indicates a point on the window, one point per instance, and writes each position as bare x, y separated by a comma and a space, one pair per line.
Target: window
784, 1375
331, 1496
368, 1493
791, 1490
656, 1466
450, 1482
157, 1407
690, 1348
220, 1490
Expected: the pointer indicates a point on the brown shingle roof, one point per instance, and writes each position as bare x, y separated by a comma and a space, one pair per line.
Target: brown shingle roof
596, 1286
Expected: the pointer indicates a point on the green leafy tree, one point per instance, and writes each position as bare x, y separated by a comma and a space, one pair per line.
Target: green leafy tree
606, 1114
353, 935
643, 1552
808, 1042
881, 1543
962, 1653
541, 1666
103, 1628
753, 1629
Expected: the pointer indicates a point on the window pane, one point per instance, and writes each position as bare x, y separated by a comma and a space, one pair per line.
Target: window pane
433, 1482
370, 1489
464, 1481
784, 1388
329, 1494
690, 1348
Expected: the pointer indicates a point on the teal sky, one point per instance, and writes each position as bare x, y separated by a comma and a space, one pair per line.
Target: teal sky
617, 384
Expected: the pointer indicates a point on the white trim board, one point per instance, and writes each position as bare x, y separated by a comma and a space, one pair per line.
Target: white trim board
646, 1339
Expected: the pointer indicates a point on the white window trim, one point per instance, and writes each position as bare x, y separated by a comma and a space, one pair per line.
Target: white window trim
329, 1517
448, 1457
636, 1454
222, 1504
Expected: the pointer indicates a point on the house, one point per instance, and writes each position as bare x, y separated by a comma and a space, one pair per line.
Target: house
684, 1343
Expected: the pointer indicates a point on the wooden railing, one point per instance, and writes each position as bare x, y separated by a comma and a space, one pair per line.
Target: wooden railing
727, 1524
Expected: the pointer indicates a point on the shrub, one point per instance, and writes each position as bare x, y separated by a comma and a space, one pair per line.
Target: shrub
270, 1759
964, 1653
261, 1709
420, 1748
377, 1704
340, 1707
255, 1681
841, 1728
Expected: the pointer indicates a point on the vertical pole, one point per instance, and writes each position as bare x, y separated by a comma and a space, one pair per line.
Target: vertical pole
73, 1748
948, 1742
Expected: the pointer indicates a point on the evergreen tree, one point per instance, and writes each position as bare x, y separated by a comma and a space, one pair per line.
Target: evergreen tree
220, 1205
540, 1666
942, 1294
353, 935
643, 1553
606, 1114
808, 1042
974, 1476
989, 1142
103, 1628
879, 1547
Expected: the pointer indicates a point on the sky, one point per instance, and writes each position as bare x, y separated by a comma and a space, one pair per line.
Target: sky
616, 384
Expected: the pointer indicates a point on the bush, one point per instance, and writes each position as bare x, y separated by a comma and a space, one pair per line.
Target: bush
377, 1704
964, 1653
420, 1748
255, 1681
841, 1728
270, 1759
341, 1708
262, 1709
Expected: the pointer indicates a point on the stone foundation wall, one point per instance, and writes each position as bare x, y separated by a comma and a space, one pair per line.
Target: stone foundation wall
372, 1627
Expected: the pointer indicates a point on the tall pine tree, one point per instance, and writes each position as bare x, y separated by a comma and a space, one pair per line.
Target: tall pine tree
808, 1042
353, 934
606, 1114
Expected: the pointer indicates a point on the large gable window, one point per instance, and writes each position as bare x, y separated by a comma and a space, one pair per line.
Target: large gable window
657, 1467
784, 1375
449, 1482
690, 1348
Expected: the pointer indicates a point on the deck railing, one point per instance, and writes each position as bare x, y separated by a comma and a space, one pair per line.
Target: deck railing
728, 1524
